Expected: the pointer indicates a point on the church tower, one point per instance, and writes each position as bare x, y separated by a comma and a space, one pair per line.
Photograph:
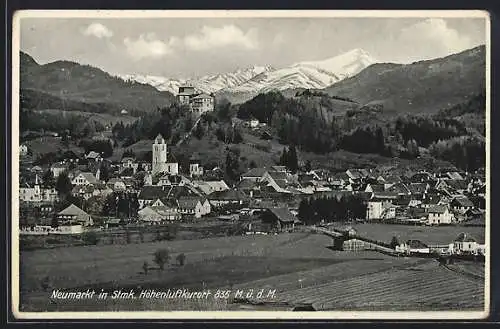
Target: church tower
159, 155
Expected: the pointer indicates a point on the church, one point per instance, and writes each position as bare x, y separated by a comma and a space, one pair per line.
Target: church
162, 163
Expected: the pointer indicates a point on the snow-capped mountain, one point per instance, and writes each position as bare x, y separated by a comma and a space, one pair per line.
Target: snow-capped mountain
309, 75
207, 84
257, 79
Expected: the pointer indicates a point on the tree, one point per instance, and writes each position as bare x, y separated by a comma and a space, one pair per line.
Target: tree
308, 166
48, 179
145, 267
103, 172
284, 158
90, 237
161, 257
181, 259
293, 163
63, 184
394, 242
233, 165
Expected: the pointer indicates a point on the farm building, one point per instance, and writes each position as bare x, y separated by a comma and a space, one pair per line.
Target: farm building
412, 247
280, 219
356, 245
465, 244
158, 214
73, 214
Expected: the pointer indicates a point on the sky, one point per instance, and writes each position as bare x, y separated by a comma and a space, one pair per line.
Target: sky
192, 47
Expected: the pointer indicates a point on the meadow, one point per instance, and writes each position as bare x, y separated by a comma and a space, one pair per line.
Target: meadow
299, 266
430, 235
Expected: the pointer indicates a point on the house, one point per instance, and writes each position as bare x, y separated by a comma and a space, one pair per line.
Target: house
222, 198
198, 103
202, 103
412, 247
74, 215
150, 194
254, 174
193, 206
279, 219
93, 156
438, 215
278, 181
461, 204
253, 123
58, 168
23, 150
84, 178
116, 184
208, 187
129, 162
36, 193
158, 214
380, 210
465, 244
372, 188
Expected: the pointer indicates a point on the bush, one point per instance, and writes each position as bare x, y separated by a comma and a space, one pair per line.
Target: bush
90, 238
161, 258
181, 259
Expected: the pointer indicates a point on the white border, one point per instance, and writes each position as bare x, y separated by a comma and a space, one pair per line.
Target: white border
234, 315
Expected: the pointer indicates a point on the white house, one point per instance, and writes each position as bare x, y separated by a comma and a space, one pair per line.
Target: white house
438, 215
195, 169
380, 210
413, 246
158, 214
35, 193
58, 168
193, 206
73, 214
465, 244
84, 178
208, 187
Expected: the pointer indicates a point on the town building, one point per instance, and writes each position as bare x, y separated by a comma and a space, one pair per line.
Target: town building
199, 103
193, 206
161, 162
36, 193
439, 215
74, 215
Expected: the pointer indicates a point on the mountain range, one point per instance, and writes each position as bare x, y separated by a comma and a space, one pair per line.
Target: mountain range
68, 85
424, 86
258, 79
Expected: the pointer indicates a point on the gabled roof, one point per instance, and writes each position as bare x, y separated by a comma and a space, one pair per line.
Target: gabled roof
89, 177
417, 188
283, 214
73, 210
278, 175
226, 195
202, 96
255, 172
186, 202
457, 184
93, 155
463, 201
437, 209
152, 193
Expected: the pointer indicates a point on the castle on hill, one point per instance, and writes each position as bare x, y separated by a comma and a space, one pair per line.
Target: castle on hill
199, 103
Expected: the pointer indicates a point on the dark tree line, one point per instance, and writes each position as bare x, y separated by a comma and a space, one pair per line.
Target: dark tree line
331, 209
289, 159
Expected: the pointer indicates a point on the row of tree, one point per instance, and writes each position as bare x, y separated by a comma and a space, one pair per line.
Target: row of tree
331, 209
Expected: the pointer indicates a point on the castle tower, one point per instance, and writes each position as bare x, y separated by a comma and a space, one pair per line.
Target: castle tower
159, 155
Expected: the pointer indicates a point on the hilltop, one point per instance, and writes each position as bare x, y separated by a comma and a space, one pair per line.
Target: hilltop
421, 87
66, 85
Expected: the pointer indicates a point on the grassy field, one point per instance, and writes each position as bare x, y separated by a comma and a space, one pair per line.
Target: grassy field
103, 118
297, 265
427, 234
